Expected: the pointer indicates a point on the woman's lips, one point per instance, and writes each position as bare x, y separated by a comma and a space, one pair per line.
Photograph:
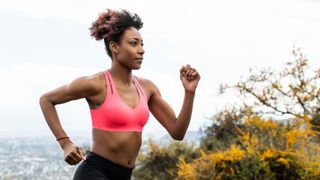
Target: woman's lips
139, 60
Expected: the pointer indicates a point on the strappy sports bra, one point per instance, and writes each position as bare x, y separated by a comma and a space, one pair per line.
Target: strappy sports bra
115, 115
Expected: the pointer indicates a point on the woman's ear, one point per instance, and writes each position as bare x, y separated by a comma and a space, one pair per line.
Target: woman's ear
114, 47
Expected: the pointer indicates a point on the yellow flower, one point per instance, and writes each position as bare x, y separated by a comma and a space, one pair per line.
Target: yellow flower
246, 137
236, 153
216, 157
262, 124
267, 154
269, 124
283, 161
292, 136
186, 170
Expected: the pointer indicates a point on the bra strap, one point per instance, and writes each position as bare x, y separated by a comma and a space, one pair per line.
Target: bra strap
109, 82
138, 86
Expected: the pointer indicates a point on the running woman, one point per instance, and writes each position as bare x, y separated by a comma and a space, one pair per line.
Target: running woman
119, 103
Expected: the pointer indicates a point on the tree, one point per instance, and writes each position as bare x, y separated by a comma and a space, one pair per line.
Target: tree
291, 91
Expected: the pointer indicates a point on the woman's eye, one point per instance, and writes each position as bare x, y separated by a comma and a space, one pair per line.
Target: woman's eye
133, 43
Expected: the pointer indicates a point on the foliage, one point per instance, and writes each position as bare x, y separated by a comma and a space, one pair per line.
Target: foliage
160, 162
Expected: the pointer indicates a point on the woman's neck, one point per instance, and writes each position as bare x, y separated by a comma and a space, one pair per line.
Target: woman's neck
121, 74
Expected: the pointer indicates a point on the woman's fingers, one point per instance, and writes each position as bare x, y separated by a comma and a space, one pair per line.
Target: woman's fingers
188, 68
183, 72
188, 72
70, 160
82, 154
74, 157
192, 70
194, 73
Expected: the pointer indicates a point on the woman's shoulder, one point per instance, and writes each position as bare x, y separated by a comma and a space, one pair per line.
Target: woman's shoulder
96, 78
144, 81
147, 84
94, 81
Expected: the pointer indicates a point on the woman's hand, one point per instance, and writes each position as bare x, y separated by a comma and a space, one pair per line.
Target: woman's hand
73, 154
189, 78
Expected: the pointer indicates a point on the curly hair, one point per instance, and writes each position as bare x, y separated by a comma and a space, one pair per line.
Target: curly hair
111, 24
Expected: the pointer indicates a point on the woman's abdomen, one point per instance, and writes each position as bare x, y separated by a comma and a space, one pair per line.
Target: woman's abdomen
119, 147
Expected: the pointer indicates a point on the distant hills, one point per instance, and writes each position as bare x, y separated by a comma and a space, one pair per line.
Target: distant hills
190, 137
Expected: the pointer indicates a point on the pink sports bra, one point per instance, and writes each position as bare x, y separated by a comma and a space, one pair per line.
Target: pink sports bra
115, 115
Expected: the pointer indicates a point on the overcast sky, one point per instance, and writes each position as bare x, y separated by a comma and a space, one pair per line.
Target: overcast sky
46, 43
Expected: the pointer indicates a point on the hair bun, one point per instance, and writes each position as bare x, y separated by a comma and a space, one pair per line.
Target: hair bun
101, 26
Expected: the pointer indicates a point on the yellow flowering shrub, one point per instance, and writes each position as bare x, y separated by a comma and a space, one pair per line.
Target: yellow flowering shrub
204, 165
160, 161
266, 149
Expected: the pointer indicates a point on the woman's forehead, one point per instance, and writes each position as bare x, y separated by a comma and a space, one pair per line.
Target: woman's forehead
132, 33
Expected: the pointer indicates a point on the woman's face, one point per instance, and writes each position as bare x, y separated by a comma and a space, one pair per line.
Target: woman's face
130, 48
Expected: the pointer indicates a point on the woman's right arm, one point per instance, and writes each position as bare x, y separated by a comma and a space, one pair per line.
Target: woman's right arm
82, 87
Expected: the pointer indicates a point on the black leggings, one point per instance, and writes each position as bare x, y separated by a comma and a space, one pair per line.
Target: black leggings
96, 167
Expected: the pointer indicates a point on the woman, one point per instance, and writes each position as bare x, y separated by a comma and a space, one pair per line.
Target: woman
119, 102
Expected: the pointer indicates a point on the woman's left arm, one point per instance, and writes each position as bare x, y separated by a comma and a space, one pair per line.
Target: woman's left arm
161, 110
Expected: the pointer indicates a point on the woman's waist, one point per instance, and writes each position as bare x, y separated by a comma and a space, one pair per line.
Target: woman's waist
119, 147
121, 158
108, 164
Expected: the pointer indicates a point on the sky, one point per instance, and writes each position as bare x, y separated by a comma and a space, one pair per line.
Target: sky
46, 43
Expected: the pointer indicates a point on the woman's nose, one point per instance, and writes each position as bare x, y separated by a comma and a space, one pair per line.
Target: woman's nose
141, 50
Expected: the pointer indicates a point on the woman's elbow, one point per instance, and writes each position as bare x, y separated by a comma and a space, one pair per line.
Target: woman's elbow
177, 137
43, 100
